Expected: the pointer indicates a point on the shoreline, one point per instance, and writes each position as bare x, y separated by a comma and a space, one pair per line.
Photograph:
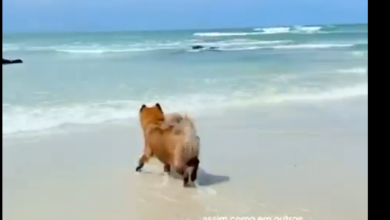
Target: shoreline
132, 122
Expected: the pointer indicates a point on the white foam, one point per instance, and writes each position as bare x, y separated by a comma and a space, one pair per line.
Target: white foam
289, 47
357, 70
225, 34
237, 44
99, 49
293, 29
307, 29
311, 46
244, 42
340, 93
25, 119
274, 30
359, 53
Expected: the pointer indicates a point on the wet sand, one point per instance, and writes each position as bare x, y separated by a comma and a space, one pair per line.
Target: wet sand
307, 161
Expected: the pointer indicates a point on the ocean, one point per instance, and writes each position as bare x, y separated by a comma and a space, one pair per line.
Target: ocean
281, 113
72, 79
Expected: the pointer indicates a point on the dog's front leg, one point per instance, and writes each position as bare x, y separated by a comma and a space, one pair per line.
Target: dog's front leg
144, 158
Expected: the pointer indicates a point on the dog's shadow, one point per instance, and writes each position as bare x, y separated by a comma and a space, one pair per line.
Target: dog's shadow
208, 179
205, 178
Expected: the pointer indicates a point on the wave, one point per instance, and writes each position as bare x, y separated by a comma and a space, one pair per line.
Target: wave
278, 30
26, 119
225, 34
273, 30
312, 46
357, 70
224, 45
341, 93
269, 30
136, 47
292, 47
359, 53
293, 29
90, 48
260, 31
106, 50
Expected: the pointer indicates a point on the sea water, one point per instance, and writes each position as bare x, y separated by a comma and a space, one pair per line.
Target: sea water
91, 78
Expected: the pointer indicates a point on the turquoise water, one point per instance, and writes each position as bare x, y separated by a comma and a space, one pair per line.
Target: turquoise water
89, 78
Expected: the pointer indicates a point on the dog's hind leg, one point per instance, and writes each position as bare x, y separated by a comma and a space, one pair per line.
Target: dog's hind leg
190, 171
194, 174
194, 162
186, 178
167, 168
144, 159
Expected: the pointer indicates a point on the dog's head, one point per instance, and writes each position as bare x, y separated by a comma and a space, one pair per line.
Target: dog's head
153, 114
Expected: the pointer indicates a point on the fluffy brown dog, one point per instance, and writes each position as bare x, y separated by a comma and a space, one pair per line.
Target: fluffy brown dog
174, 142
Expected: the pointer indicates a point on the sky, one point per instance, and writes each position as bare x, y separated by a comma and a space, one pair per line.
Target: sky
126, 15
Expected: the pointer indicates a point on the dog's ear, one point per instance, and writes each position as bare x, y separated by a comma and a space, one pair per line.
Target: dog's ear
159, 106
142, 107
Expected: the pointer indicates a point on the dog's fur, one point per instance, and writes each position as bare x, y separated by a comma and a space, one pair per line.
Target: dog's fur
172, 139
171, 119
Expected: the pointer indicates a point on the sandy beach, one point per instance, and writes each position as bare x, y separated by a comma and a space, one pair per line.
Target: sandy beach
302, 160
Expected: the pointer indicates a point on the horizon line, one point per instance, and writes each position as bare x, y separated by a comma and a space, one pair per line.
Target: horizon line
178, 29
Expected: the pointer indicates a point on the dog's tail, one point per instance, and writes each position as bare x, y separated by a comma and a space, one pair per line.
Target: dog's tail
189, 145
191, 140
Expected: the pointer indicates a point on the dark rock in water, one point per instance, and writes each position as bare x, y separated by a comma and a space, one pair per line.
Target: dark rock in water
5, 61
197, 47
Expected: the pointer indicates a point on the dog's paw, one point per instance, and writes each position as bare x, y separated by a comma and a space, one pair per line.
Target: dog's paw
186, 182
138, 169
189, 185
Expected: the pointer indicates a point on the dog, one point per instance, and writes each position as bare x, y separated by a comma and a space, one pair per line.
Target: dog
173, 140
